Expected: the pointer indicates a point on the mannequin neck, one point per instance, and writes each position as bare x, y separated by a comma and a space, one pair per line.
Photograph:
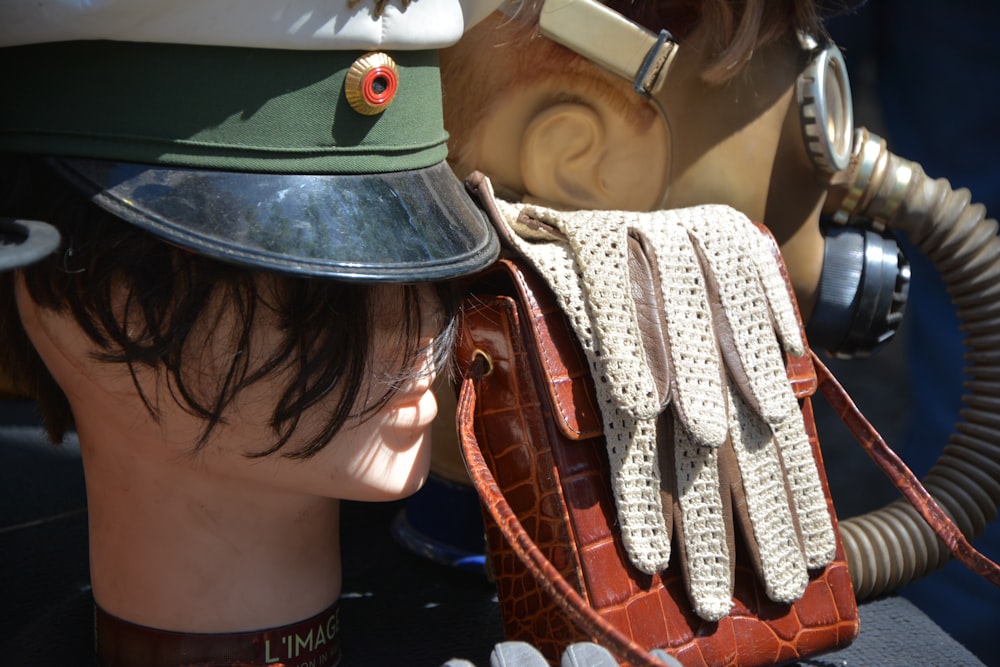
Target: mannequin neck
178, 548
185, 539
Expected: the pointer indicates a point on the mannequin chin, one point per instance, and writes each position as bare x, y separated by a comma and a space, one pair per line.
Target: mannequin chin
218, 541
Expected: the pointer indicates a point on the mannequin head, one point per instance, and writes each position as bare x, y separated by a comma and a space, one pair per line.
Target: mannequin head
250, 303
545, 123
548, 124
198, 387
176, 338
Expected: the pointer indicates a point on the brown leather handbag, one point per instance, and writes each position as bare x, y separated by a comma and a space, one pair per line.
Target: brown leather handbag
534, 444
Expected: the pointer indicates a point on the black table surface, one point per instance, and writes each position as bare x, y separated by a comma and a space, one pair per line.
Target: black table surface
397, 608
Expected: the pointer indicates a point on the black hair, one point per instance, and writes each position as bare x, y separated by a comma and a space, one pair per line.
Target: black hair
146, 303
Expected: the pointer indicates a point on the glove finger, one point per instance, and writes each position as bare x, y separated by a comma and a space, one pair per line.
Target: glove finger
819, 540
733, 481
757, 245
644, 279
666, 659
589, 275
811, 512
703, 528
697, 374
771, 269
724, 238
735, 501
585, 654
516, 654
782, 562
600, 250
635, 481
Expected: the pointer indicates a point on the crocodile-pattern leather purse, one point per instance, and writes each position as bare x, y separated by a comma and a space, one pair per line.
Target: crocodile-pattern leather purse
528, 420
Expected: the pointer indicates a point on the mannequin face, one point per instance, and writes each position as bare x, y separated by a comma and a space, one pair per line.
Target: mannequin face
378, 456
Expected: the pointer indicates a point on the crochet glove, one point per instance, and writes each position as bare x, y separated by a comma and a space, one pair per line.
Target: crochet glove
736, 447
686, 311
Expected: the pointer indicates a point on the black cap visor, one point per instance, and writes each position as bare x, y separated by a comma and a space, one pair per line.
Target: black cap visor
408, 226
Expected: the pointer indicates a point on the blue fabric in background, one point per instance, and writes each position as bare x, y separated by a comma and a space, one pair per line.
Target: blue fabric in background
935, 70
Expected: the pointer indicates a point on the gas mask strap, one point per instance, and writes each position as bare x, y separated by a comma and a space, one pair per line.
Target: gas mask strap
610, 41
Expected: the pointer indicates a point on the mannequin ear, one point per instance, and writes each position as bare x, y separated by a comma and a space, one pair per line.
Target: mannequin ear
562, 149
585, 156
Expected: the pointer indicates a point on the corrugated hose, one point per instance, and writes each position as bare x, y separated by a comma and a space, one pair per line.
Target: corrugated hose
893, 546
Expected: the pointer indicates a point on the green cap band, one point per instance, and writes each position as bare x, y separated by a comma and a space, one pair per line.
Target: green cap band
263, 110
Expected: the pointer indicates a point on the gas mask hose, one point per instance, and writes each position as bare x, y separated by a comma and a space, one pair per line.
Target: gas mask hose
893, 546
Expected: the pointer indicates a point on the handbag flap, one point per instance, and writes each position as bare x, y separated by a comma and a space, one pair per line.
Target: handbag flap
565, 370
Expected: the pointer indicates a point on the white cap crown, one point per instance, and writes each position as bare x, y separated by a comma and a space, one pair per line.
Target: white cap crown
269, 24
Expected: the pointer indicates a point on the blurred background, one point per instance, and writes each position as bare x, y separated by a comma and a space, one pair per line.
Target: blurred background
926, 77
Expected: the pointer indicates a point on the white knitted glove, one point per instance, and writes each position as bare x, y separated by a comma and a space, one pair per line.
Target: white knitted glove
721, 259
715, 317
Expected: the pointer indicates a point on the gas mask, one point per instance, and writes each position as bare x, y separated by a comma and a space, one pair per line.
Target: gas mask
768, 143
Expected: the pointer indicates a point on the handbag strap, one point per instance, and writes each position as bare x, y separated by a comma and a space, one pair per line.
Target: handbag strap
544, 572
902, 477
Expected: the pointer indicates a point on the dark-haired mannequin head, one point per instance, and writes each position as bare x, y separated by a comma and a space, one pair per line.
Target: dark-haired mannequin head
251, 299
196, 524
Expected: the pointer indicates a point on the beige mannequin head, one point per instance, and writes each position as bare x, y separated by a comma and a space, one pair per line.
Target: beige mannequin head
545, 123
548, 125
376, 455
